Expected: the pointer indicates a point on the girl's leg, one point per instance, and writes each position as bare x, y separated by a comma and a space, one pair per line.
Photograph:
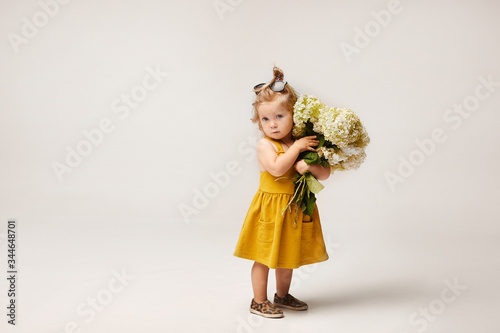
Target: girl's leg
283, 280
259, 281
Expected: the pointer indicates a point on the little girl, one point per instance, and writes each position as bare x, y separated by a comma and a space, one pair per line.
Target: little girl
270, 236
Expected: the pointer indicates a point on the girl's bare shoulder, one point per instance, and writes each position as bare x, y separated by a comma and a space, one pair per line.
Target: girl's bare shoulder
265, 145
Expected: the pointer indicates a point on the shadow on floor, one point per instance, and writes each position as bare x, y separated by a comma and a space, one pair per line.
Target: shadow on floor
393, 293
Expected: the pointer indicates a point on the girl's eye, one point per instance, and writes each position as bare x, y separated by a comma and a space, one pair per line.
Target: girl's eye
265, 119
279, 116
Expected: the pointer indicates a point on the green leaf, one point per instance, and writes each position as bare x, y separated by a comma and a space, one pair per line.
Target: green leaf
321, 139
303, 206
313, 184
310, 157
309, 128
304, 154
310, 204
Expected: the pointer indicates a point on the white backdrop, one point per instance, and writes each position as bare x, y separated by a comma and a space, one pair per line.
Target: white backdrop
127, 142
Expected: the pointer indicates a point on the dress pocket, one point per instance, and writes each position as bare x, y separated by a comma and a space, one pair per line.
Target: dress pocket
265, 232
307, 231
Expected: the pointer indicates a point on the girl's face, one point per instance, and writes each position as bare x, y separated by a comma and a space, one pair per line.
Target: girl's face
275, 120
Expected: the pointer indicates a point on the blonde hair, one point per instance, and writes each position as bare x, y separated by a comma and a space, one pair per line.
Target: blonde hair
265, 94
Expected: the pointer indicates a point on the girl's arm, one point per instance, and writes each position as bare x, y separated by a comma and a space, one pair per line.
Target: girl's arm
278, 165
318, 171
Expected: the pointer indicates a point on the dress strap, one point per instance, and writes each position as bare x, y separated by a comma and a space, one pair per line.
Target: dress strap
280, 147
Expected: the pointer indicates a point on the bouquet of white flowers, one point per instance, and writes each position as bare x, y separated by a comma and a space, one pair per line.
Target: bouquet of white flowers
342, 142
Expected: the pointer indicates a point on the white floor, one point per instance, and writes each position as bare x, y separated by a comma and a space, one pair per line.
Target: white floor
134, 275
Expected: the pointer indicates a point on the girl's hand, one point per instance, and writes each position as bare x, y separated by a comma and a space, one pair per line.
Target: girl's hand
301, 166
306, 143
317, 170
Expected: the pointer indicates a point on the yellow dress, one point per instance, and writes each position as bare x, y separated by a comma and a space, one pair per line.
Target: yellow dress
270, 237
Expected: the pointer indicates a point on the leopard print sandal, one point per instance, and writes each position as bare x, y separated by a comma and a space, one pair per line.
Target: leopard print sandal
266, 309
289, 302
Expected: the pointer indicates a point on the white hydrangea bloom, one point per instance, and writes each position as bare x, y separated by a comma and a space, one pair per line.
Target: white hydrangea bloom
306, 108
340, 126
